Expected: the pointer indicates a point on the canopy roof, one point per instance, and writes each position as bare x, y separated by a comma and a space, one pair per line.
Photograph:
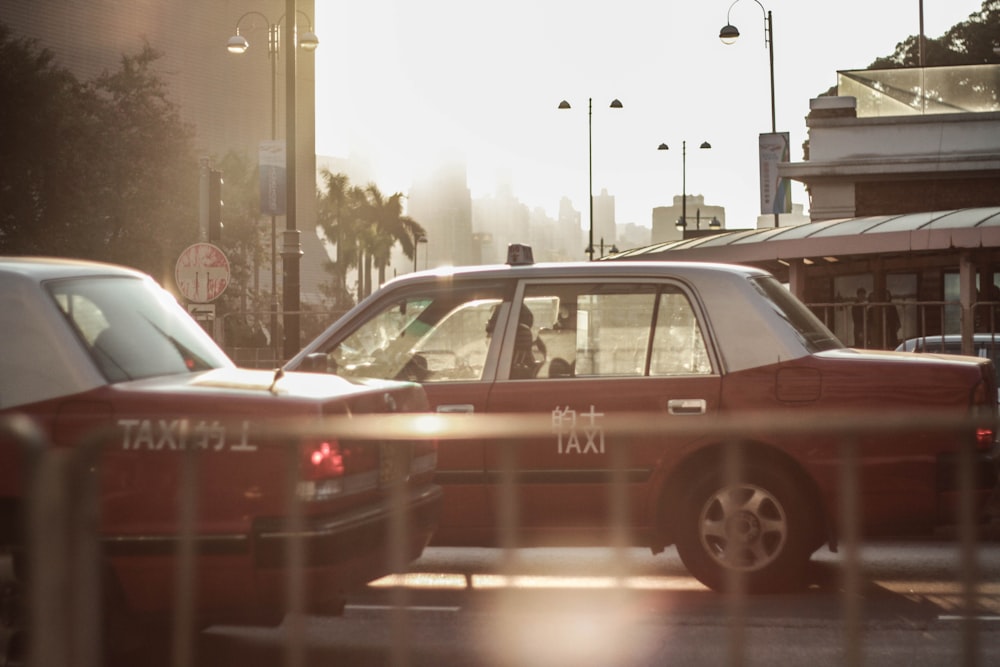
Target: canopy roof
883, 235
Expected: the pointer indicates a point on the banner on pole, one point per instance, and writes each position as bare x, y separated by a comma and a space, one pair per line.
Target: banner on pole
271, 161
775, 193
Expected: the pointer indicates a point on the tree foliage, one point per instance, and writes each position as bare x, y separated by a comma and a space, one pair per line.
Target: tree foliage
971, 42
365, 226
103, 169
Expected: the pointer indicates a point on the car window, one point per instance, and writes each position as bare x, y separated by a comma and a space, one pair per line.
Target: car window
813, 334
679, 346
619, 329
437, 335
134, 330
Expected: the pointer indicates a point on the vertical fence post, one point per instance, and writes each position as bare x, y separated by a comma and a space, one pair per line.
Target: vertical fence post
62, 550
733, 472
294, 560
850, 535
183, 617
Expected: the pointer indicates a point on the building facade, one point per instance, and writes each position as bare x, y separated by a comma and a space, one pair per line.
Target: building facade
897, 145
904, 186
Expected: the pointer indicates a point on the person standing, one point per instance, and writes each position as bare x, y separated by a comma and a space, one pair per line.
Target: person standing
858, 317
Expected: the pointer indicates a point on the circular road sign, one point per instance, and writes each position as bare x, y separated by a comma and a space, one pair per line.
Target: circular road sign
202, 273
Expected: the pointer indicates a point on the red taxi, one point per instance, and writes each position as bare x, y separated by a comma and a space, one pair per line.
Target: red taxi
97, 351
684, 344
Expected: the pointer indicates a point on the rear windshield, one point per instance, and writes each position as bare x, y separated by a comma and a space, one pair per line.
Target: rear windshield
810, 330
133, 329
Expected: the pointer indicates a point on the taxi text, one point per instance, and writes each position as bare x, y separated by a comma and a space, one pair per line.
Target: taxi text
182, 434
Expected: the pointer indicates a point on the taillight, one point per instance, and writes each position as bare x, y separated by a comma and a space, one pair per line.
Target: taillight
321, 471
984, 406
325, 460
330, 468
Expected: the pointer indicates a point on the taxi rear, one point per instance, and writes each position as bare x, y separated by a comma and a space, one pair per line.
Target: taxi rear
104, 358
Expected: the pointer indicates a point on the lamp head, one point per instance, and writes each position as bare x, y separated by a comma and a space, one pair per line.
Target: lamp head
663, 147
705, 144
237, 44
308, 40
729, 34
564, 105
616, 104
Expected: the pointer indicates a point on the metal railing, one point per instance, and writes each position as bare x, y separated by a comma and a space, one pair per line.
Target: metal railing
63, 554
884, 325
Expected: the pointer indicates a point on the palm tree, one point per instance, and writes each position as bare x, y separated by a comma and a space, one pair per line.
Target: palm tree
365, 226
391, 227
339, 216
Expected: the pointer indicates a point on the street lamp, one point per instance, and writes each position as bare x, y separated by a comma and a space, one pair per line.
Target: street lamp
308, 41
615, 104
417, 240
730, 33
682, 222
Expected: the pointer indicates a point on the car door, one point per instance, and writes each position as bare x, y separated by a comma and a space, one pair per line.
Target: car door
440, 334
609, 348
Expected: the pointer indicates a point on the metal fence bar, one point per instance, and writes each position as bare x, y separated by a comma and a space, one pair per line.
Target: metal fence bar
64, 556
294, 655
184, 593
968, 559
849, 545
734, 472
397, 558
61, 548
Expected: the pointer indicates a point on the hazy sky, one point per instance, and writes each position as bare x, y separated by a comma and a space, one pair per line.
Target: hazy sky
402, 82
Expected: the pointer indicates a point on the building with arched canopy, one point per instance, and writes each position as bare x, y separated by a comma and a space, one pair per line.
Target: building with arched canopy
929, 266
902, 168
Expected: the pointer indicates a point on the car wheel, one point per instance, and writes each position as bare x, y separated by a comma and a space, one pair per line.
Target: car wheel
756, 528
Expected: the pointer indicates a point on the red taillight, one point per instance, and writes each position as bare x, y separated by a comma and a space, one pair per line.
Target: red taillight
324, 460
984, 406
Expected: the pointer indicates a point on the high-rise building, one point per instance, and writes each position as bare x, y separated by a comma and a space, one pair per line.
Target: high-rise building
699, 216
441, 202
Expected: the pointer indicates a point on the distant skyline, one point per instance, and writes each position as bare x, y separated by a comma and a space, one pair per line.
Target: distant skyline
401, 85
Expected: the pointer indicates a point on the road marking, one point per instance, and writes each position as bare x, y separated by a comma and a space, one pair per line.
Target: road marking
954, 617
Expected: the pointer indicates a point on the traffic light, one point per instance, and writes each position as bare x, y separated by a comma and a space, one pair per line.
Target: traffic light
214, 205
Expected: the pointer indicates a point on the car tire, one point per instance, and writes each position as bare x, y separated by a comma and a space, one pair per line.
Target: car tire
757, 529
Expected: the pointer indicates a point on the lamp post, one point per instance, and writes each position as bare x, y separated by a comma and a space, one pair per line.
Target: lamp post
615, 104
308, 41
417, 240
730, 33
682, 223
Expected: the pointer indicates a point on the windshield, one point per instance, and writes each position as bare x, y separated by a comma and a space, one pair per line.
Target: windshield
133, 329
813, 333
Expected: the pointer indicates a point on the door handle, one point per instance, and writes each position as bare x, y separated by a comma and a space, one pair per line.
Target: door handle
686, 406
454, 408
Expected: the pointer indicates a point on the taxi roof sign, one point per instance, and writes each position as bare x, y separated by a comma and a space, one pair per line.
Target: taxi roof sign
519, 254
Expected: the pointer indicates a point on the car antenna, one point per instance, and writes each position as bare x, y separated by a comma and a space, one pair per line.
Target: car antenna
278, 374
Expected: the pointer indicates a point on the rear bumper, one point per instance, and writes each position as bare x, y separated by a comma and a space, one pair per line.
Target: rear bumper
984, 477
242, 579
981, 483
327, 541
